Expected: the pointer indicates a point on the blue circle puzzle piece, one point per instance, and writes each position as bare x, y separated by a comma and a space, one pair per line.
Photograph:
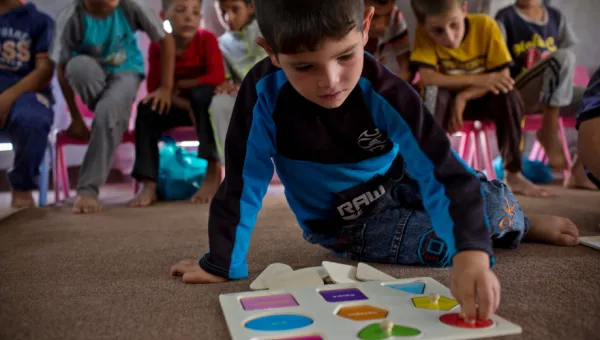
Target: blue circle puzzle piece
280, 322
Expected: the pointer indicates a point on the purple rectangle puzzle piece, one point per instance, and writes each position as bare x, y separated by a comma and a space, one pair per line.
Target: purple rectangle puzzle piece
339, 295
269, 302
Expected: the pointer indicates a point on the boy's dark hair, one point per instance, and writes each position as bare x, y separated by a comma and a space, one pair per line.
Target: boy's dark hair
167, 3
425, 8
293, 26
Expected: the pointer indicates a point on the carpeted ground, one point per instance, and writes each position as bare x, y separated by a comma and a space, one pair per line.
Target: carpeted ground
106, 276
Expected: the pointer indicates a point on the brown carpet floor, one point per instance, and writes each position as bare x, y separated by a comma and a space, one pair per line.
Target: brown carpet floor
106, 276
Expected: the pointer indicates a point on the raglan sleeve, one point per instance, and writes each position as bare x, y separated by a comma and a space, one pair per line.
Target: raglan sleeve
249, 148
498, 55
451, 192
143, 17
66, 36
423, 53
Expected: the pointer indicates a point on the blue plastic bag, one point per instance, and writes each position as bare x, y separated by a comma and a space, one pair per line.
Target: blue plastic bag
535, 171
180, 172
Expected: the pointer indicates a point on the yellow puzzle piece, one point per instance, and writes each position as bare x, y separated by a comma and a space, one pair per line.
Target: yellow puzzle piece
441, 303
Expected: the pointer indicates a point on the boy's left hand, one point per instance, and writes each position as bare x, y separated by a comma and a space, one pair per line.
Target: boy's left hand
160, 99
7, 100
474, 285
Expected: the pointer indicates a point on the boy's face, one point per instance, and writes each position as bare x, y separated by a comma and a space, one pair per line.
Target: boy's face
381, 18
326, 76
184, 16
447, 29
235, 13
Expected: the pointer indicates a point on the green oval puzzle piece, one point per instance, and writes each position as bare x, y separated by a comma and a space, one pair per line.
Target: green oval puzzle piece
374, 332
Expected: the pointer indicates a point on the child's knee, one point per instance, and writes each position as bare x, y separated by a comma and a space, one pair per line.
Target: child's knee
79, 69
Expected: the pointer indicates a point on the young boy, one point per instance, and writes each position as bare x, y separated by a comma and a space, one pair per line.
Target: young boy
465, 56
25, 95
388, 37
98, 57
198, 71
367, 171
588, 125
240, 54
540, 41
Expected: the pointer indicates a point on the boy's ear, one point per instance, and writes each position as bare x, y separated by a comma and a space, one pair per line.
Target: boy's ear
263, 43
162, 15
369, 12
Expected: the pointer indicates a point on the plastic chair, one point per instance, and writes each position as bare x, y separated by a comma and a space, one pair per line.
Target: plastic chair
474, 145
61, 140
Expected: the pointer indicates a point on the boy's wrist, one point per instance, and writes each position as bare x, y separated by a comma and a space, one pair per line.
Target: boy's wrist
471, 258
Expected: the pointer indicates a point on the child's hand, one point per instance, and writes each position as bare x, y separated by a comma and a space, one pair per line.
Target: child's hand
474, 285
192, 273
456, 120
227, 88
496, 82
78, 130
7, 100
160, 99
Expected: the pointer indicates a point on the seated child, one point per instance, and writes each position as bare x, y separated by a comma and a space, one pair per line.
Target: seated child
388, 37
465, 56
96, 50
198, 70
25, 95
588, 125
368, 172
540, 41
240, 54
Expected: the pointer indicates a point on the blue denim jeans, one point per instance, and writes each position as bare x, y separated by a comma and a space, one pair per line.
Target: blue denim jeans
398, 230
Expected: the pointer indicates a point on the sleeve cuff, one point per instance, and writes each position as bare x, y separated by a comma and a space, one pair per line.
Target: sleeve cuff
212, 268
486, 248
418, 64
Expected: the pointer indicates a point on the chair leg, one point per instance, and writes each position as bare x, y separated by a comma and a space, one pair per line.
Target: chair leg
462, 147
487, 156
470, 151
535, 150
477, 153
43, 179
64, 174
565, 146
56, 175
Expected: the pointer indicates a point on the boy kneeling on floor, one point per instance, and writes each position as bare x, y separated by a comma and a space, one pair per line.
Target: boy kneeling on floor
368, 172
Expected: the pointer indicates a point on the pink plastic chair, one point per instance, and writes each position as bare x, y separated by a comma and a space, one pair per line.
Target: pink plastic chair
474, 146
581, 78
61, 140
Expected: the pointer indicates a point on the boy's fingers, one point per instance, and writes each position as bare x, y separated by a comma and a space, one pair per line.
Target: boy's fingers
178, 269
496, 298
468, 305
486, 301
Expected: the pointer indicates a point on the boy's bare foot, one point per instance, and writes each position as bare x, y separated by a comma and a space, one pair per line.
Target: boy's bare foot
86, 205
520, 185
577, 179
22, 199
145, 197
552, 230
553, 150
191, 272
211, 183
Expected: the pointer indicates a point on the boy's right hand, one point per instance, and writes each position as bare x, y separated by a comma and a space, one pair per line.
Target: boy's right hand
192, 273
496, 82
78, 130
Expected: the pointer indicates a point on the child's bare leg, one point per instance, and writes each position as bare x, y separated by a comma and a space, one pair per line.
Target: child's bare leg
520, 185
22, 199
548, 137
577, 179
552, 230
86, 204
211, 183
146, 196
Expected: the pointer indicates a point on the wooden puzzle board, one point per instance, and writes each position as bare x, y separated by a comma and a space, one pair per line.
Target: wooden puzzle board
590, 241
342, 311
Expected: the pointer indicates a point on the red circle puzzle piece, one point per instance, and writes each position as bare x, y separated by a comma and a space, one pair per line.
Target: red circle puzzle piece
454, 319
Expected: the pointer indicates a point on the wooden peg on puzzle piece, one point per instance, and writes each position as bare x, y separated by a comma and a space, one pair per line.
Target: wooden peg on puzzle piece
434, 298
386, 327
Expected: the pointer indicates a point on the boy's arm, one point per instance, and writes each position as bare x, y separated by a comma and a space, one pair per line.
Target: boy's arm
452, 194
215, 69
249, 146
